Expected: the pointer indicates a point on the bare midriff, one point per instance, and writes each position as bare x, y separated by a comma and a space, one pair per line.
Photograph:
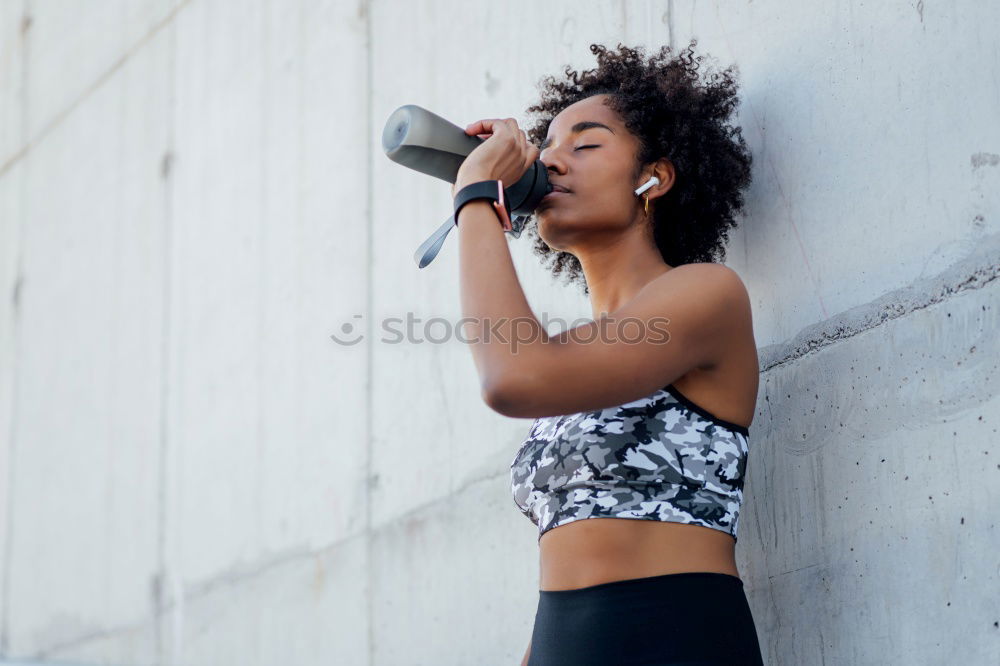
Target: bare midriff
592, 551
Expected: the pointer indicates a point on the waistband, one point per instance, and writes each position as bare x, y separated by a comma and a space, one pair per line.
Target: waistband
676, 583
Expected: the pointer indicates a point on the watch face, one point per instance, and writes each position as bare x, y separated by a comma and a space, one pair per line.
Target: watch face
502, 214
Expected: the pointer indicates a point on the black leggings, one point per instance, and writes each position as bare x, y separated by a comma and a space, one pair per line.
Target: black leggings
691, 619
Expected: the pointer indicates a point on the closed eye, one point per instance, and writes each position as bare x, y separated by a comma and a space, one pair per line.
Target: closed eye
582, 147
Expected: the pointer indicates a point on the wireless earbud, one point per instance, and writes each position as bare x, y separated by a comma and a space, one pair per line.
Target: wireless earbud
652, 182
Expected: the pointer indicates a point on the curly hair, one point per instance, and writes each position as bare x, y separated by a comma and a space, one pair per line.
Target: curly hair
674, 115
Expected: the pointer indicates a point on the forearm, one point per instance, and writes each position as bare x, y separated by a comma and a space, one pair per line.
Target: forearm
527, 653
500, 325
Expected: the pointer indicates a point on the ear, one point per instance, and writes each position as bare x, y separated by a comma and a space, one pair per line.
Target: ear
663, 169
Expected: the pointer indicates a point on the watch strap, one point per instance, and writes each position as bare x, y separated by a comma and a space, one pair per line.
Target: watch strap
429, 248
485, 189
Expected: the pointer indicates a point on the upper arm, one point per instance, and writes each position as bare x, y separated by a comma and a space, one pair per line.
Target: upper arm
674, 324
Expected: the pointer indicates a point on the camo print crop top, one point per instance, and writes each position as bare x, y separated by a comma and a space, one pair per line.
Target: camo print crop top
661, 457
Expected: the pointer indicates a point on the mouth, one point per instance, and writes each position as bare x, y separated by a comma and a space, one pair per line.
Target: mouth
554, 195
556, 192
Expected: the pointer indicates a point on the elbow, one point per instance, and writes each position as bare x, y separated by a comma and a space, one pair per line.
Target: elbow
497, 397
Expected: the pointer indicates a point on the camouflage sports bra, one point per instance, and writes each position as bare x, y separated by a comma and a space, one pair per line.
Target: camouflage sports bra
661, 457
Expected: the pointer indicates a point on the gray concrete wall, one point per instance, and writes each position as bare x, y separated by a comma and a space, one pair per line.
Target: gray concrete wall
193, 198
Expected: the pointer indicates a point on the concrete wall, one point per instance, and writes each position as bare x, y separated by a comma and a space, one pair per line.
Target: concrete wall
193, 198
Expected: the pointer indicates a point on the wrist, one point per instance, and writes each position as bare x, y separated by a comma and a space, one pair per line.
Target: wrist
468, 179
487, 190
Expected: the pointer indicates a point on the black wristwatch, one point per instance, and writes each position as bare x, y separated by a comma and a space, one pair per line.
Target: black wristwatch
485, 189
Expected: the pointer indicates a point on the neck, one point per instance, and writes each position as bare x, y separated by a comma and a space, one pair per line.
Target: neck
617, 270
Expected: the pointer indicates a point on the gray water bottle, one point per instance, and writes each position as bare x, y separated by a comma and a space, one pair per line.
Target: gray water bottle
426, 142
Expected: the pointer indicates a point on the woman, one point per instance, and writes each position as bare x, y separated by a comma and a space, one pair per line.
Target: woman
634, 466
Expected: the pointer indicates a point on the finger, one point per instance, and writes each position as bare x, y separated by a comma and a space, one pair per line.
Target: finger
522, 148
481, 127
531, 157
533, 154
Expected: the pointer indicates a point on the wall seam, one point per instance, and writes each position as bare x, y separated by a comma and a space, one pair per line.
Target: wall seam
975, 271
15, 344
670, 24
27, 145
366, 7
163, 476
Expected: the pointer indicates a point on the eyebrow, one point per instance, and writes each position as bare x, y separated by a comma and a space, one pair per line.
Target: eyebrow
576, 129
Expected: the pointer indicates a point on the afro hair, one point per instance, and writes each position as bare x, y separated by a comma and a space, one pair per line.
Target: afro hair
676, 112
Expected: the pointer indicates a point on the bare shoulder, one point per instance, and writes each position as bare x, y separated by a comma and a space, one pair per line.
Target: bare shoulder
724, 320
707, 280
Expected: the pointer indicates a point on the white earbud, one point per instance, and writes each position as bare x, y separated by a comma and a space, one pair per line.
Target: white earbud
652, 182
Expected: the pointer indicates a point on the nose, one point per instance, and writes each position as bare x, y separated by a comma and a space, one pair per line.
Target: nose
551, 162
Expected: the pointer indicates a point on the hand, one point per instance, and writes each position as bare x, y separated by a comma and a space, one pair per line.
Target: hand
505, 155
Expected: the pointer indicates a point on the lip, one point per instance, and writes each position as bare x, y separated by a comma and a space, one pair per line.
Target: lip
553, 193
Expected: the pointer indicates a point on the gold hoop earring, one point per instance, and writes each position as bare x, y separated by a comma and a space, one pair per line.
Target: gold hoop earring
647, 204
